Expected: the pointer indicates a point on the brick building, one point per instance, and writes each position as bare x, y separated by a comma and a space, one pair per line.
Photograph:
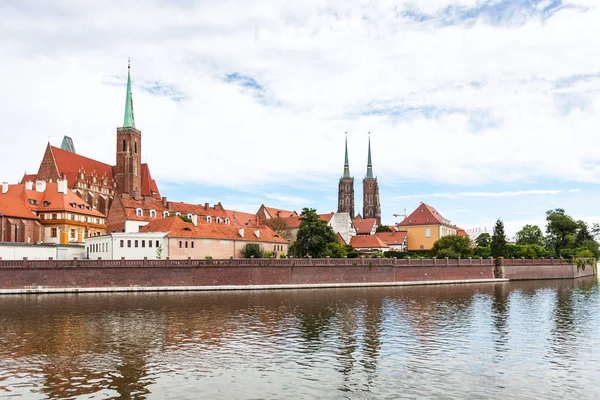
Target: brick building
17, 222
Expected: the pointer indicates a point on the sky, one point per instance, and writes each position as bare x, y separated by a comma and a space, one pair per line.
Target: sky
484, 109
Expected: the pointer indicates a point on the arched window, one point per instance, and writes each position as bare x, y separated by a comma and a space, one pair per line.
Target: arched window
178, 214
165, 214
138, 212
189, 216
124, 145
153, 213
135, 147
208, 218
218, 220
227, 221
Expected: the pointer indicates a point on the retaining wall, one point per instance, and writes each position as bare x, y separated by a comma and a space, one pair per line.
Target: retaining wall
527, 269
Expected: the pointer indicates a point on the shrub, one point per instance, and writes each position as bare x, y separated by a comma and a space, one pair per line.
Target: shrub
252, 250
452, 246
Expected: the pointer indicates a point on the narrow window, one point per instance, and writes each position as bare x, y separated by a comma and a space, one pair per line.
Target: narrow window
122, 244
53, 233
149, 243
157, 244
180, 244
124, 145
129, 243
186, 244
136, 243
192, 244
143, 243
135, 147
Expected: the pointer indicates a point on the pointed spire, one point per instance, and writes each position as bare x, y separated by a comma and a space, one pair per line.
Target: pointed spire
129, 121
346, 164
369, 165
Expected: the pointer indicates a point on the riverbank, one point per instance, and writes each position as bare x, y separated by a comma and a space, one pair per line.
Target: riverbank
81, 276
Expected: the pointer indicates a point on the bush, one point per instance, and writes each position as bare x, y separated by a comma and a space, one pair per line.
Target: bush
452, 246
252, 250
353, 254
282, 255
482, 251
270, 254
336, 250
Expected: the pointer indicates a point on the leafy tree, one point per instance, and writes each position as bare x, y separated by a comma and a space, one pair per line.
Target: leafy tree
313, 236
531, 234
561, 230
512, 250
533, 251
592, 246
498, 245
483, 240
482, 251
279, 226
336, 250
383, 228
452, 246
252, 250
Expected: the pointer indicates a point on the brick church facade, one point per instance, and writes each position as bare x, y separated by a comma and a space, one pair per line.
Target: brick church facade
371, 202
96, 182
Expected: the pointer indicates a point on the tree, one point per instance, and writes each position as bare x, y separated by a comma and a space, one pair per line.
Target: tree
452, 246
482, 251
498, 245
252, 250
383, 228
159, 251
531, 234
561, 230
336, 250
313, 236
483, 240
279, 226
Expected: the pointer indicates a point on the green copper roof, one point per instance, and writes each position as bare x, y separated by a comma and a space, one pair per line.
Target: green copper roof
346, 164
67, 144
129, 121
369, 165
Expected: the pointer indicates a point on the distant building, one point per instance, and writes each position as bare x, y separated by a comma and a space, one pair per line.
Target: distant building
368, 244
272, 213
346, 188
424, 227
365, 226
395, 240
371, 204
340, 222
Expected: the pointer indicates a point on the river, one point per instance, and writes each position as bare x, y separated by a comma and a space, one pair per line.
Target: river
517, 340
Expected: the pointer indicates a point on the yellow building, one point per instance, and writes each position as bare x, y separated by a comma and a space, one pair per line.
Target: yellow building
424, 227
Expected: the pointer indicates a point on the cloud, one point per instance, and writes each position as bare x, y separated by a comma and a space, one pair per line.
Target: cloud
538, 192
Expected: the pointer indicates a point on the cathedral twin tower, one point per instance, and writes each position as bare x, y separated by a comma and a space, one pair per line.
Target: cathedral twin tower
371, 206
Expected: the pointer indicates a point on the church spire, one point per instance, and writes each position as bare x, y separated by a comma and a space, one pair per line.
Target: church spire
129, 121
346, 164
369, 165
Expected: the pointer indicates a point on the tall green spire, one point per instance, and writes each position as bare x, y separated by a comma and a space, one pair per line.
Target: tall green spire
129, 121
369, 165
346, 164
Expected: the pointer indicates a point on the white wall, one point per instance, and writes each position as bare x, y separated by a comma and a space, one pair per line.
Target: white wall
109, 246
134, 226
16, 251
342, 224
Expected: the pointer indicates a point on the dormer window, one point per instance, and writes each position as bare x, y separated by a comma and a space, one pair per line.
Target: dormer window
218, 220
208, 218
82, 206
74, 205
138, 212
46, 203
189, 216
178, 214
153, 213
227, 221
165, 214
33, 202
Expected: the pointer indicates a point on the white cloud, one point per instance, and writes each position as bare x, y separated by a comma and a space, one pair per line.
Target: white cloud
323, 65
515, 193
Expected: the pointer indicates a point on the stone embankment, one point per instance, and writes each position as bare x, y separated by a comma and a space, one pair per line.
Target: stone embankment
39, 276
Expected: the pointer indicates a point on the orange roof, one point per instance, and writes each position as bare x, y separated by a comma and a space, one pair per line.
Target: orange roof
279, 213
294, 222
203, 210
240, 218
424, 215
461, 232
148, 184
179, 228
28, 178
69, 164
341, 239
364, 226
131, 205
367, 242
392, 238
12, 204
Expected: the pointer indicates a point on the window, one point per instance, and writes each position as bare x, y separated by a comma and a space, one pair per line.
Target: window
72, 217
33, 202
149, 243
421, 247
135, 147
138, 212
165, 214
428, 232
72, 233
143, 243
186, 244
153, 213
136, 243
53, 232
124, 145
218, 220
46, 203
227, 222
192, 244
157, 244
129, 243
122, 242
54, 216
42, 216
180, 244
189, 216
208, 218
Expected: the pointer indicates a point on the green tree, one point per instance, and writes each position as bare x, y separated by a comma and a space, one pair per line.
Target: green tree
498, 245
279, 226
313, 236
561, 231
482, 251
252, 250
483, 240
452, 246
336, 250
531, 234
383, 228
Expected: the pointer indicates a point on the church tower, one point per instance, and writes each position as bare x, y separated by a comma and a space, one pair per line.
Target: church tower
129, 149
371, 206
346, 188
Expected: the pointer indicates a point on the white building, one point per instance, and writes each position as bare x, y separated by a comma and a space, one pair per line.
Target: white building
17, 251
130, 245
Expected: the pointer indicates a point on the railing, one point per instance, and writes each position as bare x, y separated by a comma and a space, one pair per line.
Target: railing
529, 261
266, 262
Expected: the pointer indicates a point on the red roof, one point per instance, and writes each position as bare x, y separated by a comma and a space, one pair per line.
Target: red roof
392, 238
294, 222
364, 226
14, 204
240, 218
461, 232
424, 215
28, 178
279, 213
367, 242
179, 228
148, 184
69, 164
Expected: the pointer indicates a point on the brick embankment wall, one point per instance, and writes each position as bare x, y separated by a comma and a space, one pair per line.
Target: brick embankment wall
526, 269
84, 274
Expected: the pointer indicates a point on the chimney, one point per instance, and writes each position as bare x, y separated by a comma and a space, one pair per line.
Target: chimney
278, 214
29, 185
195, 220
4, 187
135, 194
164, 201
206, 206
242, 232
62, 186
40, 186
257, 233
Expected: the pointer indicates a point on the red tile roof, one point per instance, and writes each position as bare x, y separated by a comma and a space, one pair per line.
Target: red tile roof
392, 238
367, 242
240, 218
13, 204
294, 222
148, 184
424, 215
69, 164
364, 226
461, 232
179, 228
279, 213
28, 178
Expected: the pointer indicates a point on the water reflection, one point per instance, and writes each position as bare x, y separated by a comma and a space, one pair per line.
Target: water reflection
530, 339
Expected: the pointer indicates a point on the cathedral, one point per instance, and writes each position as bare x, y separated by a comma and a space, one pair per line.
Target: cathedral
371, 205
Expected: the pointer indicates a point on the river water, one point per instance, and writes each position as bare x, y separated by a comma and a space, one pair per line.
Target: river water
511, 341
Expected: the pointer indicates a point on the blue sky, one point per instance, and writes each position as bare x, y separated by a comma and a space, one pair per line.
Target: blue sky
484, 109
